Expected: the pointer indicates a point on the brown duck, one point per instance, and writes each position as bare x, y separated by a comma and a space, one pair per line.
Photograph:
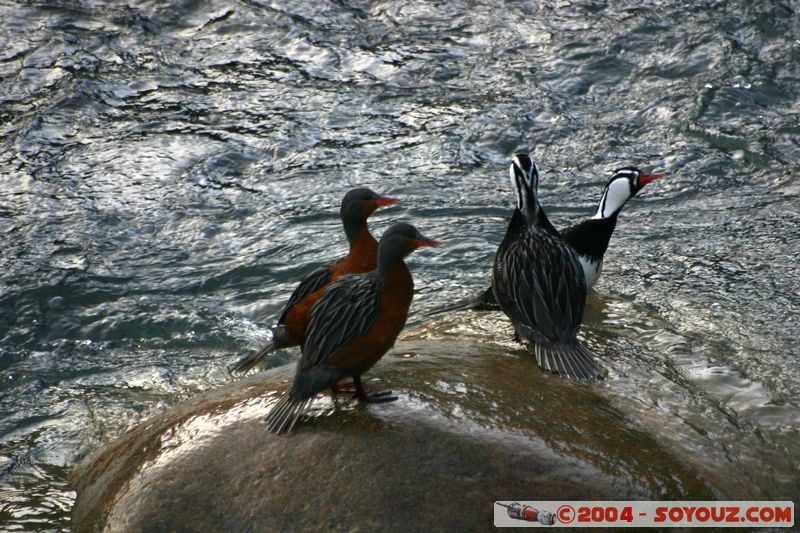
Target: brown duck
352, 325
357, 206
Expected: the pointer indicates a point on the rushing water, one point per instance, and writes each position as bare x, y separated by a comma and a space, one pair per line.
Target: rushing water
168, 170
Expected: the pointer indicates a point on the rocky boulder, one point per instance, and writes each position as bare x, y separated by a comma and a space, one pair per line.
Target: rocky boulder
475, 423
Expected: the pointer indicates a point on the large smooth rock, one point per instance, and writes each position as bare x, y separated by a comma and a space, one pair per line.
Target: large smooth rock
475, 423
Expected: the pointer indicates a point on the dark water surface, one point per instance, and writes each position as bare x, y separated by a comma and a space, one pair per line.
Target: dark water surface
169, 169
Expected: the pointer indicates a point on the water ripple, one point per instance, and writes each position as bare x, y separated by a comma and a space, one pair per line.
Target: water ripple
168, 170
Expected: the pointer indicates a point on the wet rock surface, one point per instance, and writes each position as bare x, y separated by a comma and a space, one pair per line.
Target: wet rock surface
473, 424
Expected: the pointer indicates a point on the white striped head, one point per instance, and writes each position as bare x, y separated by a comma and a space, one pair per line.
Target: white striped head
622, 186
524, 176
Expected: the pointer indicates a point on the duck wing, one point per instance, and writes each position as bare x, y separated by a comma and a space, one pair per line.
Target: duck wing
314, 280
540, 284
345, 311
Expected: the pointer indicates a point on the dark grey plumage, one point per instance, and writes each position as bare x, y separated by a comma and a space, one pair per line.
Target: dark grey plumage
286, 412
312, 282
539, 283
345, 311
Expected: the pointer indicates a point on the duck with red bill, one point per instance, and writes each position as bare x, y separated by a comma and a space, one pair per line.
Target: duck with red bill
357, 206
352, 325
383, 201
589, 238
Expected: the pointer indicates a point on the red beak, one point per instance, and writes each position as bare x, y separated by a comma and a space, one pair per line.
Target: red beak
644, 179
385, 200
424, 241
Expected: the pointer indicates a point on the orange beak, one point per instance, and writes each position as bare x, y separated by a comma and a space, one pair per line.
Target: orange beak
424, 241
644, 179
385, 200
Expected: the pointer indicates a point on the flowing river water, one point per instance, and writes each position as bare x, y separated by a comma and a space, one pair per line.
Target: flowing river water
168, 170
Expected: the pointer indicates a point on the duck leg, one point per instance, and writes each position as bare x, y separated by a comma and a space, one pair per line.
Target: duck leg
371, 396
348, 386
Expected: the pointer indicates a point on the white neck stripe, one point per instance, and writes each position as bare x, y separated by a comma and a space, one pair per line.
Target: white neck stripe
614, 197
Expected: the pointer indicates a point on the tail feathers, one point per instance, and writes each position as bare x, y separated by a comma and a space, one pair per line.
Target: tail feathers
280, 339
572, 361
249, 361
286, 412
483, 301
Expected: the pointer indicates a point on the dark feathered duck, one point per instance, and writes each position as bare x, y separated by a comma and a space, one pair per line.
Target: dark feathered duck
357, 206
538, 282
352, 325
589, 238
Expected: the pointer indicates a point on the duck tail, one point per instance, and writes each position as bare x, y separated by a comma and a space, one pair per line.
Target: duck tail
572, 361
252, 359
483, 301
280, 339
286, 412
